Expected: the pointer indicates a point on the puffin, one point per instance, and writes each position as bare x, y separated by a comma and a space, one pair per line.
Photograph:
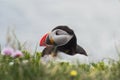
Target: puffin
61, 45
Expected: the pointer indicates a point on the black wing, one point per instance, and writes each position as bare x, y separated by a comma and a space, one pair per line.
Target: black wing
80, 50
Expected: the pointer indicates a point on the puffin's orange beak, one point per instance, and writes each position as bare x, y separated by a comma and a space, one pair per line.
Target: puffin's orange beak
43, 40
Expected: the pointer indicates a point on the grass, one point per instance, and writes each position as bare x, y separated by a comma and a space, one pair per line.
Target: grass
30, 67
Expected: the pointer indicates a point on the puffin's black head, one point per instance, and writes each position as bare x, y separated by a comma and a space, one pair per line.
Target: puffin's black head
59, 36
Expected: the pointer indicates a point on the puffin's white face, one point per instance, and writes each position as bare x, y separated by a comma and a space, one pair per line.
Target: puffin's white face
60, 37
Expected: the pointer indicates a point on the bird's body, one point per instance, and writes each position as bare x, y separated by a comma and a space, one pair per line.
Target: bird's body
61, 43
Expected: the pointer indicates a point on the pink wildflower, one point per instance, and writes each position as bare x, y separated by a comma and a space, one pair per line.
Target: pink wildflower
7, 51
17, 54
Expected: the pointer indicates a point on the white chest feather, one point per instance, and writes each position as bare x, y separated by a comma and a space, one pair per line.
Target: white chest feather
62, 57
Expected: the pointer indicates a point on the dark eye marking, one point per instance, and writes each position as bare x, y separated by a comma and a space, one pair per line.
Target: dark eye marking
60, 32
57, 33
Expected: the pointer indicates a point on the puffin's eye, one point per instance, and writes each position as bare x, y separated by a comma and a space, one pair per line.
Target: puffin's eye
57, 33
